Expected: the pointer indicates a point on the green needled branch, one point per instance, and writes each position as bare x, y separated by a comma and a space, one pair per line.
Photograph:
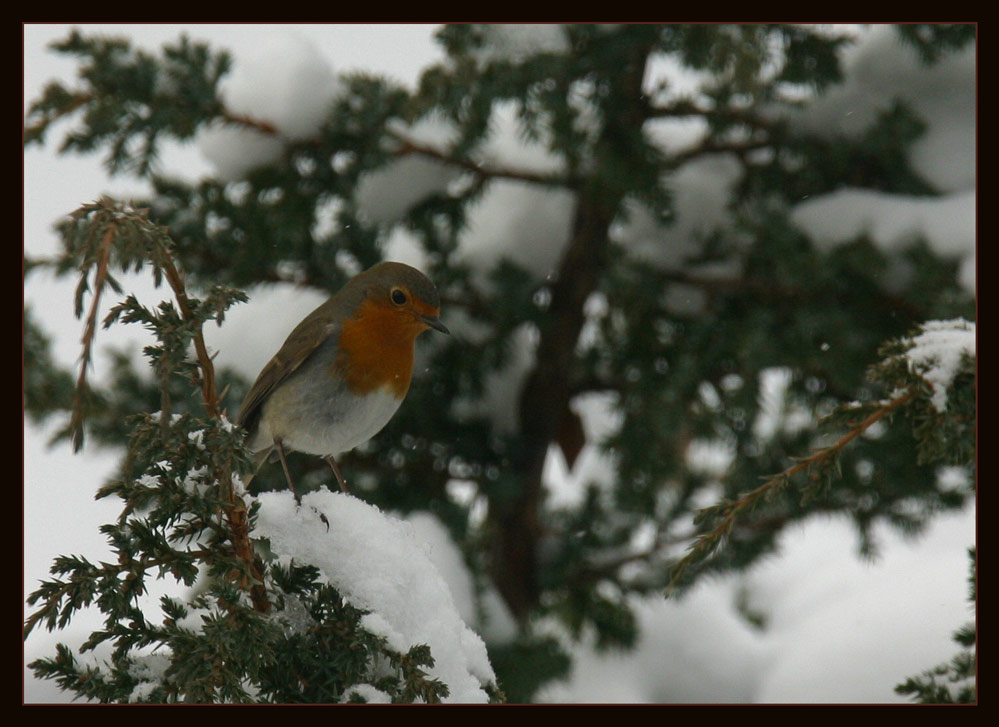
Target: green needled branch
710, 541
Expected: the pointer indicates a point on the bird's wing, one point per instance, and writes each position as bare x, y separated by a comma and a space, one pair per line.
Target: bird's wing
306, 338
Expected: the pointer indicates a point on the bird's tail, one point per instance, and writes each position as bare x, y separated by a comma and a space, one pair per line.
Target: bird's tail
258, 461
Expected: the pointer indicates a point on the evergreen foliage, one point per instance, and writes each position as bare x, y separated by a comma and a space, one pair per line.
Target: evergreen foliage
675, 373
955, 681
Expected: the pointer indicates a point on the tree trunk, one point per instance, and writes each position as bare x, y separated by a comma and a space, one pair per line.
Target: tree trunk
544, 399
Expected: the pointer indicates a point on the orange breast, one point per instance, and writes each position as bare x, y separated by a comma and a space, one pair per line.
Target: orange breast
376, 349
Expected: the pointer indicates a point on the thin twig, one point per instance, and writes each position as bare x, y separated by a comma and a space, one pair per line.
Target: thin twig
710, 146
597, 568
208, 389
265, 127
522, 175
89, 331
79, 99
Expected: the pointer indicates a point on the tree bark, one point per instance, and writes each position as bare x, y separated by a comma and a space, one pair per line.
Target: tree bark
545, 397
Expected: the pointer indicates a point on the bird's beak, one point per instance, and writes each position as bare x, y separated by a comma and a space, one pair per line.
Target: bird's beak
436, 324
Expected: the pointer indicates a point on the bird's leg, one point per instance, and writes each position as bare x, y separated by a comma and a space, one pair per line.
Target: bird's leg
284, 466
336, 471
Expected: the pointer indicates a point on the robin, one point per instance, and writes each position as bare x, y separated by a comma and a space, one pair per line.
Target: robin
345, 369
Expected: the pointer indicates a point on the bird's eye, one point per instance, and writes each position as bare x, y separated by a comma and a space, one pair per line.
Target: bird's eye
398, 297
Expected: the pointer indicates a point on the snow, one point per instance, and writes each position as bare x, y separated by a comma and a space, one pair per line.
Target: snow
710, 457
379, 565
669, 666
600, 418
533, 238
479, 606
286, 82
507, 147
370, 694
937, 352
235, 151
516, 43
387, 194
893, 222
879, 69
281, 305
844, 633
700, 191
149, 670
500, 399
848, 631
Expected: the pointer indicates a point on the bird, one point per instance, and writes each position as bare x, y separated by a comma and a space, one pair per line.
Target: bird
343, 372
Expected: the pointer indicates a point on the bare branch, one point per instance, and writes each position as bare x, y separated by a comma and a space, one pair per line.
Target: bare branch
265, 127
711, 146
687, 107
522, 175
208, 389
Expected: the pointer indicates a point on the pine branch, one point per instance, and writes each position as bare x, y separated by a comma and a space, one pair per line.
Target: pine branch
710, 541
209, 392
235, 512
50, 116
79, 99
132, 240
481, 170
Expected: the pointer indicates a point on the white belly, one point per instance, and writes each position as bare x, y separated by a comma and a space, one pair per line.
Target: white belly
319, 426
